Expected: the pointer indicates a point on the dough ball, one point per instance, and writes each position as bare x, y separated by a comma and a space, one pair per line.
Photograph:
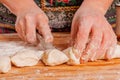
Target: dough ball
54, 57
71, 52
5, 64
25, 58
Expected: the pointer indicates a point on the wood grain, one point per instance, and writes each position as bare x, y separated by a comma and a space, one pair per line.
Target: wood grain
100, 70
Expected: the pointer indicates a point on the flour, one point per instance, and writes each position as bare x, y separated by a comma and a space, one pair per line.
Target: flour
10, 48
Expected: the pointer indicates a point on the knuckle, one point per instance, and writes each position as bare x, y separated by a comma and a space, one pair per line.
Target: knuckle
27, 16
43, 17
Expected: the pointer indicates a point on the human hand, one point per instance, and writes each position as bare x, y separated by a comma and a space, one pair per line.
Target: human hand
92, 35
28, 20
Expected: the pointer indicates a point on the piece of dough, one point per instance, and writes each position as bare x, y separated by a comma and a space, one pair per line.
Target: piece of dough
25, 58
39, 54
116, 52
70, 52
5, 64
54, 57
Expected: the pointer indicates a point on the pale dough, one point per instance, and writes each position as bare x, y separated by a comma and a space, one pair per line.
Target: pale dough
116, 52
54, 57
5, 64
25, 58
70, 52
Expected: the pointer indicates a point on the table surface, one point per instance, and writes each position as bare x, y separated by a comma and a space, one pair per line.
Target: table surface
100, 70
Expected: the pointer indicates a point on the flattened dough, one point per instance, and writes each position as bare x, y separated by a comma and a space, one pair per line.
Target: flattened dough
70, 52
5, 64
25, 58
54, 57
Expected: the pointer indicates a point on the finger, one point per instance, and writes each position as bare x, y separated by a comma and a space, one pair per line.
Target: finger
106, 42
19, 32
45, 31
74, 30
18, 26
30, 30
82, 37
93, 45
104, 46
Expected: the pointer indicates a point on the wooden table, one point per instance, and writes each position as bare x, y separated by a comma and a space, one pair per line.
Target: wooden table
100, 70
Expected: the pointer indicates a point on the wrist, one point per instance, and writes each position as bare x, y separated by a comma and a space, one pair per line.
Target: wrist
100, 6
19, 6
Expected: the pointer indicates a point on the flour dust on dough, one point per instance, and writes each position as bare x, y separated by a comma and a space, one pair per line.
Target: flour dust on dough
25, 58
54, 57
5, 64
116, 52
70, 52
10, 48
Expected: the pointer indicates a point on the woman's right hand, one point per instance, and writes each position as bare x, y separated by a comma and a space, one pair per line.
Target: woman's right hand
28, 21
29, 18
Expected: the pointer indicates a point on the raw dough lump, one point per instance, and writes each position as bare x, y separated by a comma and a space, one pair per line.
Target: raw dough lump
25, 58
5, 64
54, 57
70, 52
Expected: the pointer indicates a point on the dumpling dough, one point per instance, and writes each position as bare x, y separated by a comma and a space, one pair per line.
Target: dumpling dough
54, 57
25, 58
70, 52
39, 54
5, 64
116, 52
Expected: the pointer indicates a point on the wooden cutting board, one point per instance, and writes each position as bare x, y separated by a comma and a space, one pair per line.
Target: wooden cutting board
100, 70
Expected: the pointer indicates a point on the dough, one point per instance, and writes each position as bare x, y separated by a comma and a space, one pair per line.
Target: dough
39, 54
70, 52
25, 58
10, 48
116, 52
54, 57
44, 45
5, 64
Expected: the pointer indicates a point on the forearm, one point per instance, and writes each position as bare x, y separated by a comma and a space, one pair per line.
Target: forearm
16, 6
100, 5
